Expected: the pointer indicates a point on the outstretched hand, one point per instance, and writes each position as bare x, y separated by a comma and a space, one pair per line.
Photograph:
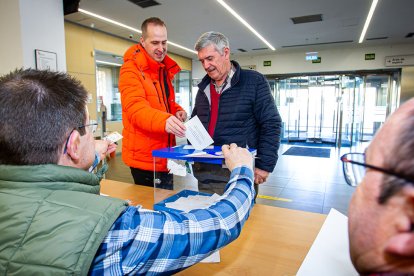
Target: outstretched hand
181, 115
104, 148
236, 156
175, 126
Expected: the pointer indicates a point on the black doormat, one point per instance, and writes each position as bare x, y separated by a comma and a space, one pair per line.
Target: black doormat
311, 152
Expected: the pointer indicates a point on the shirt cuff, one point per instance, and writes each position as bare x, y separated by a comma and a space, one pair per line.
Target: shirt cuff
242, 171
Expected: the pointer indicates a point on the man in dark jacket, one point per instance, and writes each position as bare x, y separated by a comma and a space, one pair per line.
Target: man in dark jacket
235, 106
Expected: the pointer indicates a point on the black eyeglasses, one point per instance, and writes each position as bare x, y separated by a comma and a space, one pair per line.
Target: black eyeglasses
354, 174
82, 131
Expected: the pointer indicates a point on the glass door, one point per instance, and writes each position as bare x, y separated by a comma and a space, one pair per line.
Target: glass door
341, 110
352, 110
293, 95
182, 86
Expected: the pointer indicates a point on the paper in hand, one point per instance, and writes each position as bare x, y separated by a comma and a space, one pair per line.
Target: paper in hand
197, 134
113, 137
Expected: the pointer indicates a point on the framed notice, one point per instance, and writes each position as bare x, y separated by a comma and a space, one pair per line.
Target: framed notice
46, 60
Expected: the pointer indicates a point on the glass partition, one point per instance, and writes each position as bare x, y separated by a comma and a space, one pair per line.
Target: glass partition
182, 86
107, 77
341, 109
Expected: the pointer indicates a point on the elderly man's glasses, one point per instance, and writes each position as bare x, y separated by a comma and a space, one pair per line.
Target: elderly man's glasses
82, 131
354, 167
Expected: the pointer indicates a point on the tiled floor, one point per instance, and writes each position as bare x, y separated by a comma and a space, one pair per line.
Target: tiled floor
298, 182
307, 183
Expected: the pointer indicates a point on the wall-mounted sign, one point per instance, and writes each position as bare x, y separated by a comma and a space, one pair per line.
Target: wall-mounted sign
318, 60
267, 63
45, 60
370, 56
249, 67
311, 56
399, 60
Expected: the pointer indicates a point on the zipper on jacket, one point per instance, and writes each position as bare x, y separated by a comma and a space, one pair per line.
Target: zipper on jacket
165, 103
163, 91
142, 73
209, 108
155, 84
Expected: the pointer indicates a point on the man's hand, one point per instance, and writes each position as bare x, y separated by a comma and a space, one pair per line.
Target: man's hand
236, 156
175, 126
104, 148
260, 176
181, 115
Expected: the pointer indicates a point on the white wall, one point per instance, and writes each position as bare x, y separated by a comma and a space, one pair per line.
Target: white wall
42, 27
333, 59
11, 44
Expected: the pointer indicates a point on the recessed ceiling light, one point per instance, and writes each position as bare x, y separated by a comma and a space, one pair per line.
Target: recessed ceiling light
369, 17
244, 22
103, 18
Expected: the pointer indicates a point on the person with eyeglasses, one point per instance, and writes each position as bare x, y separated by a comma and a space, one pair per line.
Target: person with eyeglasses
381, 211
53, 220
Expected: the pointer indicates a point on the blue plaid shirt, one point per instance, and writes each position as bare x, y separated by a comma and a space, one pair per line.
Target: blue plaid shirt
152, 243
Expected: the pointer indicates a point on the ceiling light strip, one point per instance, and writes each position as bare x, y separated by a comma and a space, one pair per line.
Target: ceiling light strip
109, 20
235, 14
369, 17
108, 63
129, 28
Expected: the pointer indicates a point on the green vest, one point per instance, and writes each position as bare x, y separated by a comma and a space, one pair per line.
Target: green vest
52, 219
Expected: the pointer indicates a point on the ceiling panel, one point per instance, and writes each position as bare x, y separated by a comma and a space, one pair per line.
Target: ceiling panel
187, 19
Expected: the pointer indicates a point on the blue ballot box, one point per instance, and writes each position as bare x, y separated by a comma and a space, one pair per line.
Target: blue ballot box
182, 168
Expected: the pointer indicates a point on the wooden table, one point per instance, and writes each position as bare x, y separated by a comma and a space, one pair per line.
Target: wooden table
274, 241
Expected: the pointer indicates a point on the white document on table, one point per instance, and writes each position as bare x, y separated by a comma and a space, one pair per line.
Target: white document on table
329, 254
197, 134
193, 202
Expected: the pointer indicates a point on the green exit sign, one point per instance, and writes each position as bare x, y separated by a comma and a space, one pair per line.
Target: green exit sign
267, 63
370, 56
318, 60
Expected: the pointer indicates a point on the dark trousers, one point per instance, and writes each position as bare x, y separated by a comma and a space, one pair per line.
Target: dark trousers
146, 178
213, 178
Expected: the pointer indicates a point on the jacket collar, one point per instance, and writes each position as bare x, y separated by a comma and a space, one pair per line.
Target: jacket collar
235, 79
144, 62
49, 176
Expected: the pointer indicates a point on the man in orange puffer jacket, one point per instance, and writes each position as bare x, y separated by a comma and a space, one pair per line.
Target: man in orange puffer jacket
150, 115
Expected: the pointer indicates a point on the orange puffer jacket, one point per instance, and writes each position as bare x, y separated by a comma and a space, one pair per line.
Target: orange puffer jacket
145, 107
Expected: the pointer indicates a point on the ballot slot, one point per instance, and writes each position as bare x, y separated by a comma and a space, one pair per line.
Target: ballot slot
197, 178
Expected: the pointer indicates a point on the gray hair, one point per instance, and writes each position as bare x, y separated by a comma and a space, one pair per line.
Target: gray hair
212, 38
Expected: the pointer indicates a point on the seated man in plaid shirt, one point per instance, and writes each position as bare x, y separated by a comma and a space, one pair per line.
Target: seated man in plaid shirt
52, 218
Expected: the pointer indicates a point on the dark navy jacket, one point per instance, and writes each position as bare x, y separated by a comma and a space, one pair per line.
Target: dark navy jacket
247, 115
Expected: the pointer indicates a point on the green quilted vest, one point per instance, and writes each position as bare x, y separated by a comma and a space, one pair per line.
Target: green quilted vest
52, 220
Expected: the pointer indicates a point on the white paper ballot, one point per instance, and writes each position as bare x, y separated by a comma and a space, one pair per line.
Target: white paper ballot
197, 134
113, 137
197, 202
329, 254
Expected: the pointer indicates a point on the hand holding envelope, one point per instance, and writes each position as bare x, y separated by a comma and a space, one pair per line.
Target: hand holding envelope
197, 134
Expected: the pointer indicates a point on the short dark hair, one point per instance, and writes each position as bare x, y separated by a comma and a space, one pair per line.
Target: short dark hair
38, 110
401, 161
152, 20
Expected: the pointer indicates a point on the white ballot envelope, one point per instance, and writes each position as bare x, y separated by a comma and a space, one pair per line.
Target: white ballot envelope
113, 137
197, 134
